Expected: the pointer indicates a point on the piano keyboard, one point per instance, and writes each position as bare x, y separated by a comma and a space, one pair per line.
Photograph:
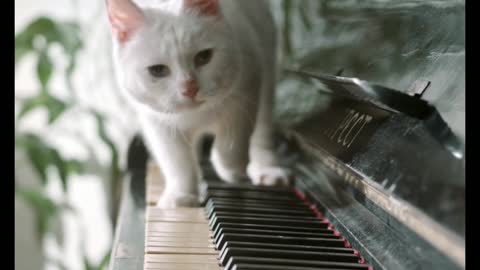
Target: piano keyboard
244, 228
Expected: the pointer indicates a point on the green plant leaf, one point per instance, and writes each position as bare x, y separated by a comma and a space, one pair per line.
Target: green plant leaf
101, 266
115, 171
287, 25
30, 104
61, 166
41, 26
44, 69
20, 52
75, 166
65, 168
54, 106
25, 39
38, 153
46, 27
44, 208
104, 262
86, 264
303, 9
72, 43
69, 72
66, 34
69, 33
43, 156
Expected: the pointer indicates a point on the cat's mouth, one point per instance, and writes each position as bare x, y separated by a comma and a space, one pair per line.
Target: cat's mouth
196, 103
190, 104
199, 102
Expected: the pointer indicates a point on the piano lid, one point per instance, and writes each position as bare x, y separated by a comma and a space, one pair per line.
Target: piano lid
397, 141
390, 154
395, 44
394, 101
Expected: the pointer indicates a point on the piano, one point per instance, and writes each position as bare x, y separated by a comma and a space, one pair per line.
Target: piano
379, 165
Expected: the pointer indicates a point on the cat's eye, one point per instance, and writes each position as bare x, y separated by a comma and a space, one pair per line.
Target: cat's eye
203, 57
159, 71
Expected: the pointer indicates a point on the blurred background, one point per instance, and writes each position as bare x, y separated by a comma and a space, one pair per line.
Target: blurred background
72, 127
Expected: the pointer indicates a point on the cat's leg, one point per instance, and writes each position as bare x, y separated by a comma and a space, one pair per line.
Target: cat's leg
198, 142
229, 154
175, 157
264, 168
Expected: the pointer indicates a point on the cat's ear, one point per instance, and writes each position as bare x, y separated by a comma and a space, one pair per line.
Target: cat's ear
125, 18
204, 7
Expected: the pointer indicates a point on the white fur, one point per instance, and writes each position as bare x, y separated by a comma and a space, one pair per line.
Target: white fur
236, 88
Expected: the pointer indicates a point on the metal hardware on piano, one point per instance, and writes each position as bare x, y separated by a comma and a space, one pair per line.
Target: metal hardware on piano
380, 167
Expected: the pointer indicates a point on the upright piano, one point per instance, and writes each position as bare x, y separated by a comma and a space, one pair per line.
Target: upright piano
377, 154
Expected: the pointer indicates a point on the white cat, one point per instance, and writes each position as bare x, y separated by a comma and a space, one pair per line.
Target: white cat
192, 67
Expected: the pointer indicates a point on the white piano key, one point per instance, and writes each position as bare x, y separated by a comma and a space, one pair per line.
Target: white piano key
176, 238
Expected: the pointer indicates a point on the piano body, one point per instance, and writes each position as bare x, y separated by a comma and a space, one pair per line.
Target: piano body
376, 146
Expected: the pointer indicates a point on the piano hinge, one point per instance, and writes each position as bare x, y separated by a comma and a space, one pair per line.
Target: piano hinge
418, 88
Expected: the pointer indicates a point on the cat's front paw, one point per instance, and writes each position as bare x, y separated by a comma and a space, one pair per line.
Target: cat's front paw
234, 173
176, 199
202, 188
270, 175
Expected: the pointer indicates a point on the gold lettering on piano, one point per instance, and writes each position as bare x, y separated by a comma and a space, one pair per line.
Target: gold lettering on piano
349, 128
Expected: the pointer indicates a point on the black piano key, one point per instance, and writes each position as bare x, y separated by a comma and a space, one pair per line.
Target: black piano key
329, 234
252, 195
241, 213
263, 228
267, 227
245, 210
267, 221
240, 260
274, 203
240, 244
272, 229
325, 242
297, 205
259, 210
247, 266
240, 187
286, 254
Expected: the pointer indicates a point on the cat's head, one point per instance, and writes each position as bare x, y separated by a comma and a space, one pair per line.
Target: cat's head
173, 57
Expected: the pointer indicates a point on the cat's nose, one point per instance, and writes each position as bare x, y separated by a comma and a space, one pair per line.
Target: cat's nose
191, 88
